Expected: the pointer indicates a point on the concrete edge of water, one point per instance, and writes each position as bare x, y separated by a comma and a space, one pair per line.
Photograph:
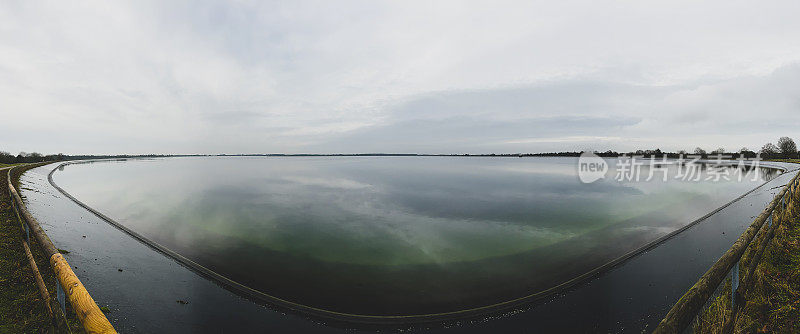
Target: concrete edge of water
497, 308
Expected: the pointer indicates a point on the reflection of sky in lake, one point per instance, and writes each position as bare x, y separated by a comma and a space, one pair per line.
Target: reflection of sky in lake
390, 235
378, 210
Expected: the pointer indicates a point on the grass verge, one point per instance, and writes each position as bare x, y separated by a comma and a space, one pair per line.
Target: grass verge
21, 308
794, 161
772, 305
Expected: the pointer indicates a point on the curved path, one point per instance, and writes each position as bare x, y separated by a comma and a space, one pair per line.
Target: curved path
156, 306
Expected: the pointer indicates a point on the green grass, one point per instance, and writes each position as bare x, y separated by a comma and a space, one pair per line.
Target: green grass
794, 161
21, 308
773, 303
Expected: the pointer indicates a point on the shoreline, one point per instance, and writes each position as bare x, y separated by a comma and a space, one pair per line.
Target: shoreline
497, 308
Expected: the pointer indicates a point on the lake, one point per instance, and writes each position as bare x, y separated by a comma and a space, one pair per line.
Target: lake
392, 235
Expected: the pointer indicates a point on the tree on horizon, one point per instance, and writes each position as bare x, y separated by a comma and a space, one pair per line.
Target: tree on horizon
787, 147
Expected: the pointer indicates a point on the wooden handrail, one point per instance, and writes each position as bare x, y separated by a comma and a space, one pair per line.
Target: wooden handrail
89, 314
749, 279
690, 304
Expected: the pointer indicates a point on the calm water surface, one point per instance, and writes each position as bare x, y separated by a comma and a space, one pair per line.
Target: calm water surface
392, 235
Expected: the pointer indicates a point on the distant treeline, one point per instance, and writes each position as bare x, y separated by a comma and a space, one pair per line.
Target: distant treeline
23, 157
785, 149
7, 158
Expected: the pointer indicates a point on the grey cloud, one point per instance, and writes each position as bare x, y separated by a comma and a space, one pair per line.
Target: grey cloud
555, 98
354, 76
470, 134
578, 115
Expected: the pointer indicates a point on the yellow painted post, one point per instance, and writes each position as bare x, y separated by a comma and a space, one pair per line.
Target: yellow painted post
92, 318
89, 314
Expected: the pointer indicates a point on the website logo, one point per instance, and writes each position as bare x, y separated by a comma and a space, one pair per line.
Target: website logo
591, 167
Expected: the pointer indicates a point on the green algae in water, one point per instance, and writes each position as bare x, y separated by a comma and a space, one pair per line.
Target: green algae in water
390, 234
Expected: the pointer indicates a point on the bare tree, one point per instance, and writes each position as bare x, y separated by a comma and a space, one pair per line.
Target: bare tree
699, 151
787, 147
6, 157
747, 153
769, 149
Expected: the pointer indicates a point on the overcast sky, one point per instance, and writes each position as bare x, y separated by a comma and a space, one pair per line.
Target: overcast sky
371, 76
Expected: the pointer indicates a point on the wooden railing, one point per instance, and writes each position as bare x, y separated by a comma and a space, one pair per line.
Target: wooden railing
87, 311
692, 302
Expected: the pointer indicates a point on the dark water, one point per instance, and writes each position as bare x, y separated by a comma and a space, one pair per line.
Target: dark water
391, 235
